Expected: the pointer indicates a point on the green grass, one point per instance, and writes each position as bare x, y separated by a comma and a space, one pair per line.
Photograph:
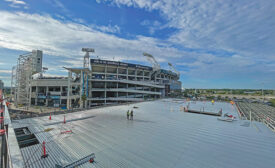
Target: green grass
272, 102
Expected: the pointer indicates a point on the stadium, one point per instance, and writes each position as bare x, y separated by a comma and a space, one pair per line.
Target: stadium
98, 82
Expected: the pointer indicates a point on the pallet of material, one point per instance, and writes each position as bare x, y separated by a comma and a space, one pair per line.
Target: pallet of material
204, 112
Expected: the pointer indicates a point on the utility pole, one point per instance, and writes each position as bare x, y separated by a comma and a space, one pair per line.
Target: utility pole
263, 91
250, 116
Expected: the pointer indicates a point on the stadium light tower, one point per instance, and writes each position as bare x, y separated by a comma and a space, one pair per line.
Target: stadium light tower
172, 67
153, 61
86, 60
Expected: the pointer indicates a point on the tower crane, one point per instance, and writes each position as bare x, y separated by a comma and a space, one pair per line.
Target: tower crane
174, 69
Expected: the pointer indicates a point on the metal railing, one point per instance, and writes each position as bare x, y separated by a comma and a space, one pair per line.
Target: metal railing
8, 140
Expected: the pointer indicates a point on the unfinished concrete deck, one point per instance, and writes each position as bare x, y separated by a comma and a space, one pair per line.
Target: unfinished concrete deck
159, 136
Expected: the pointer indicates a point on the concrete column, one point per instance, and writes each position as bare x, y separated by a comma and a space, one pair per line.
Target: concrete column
143, 75
105, 71
127, 85
127, 73
47, 90
30, 96
69, 90
87, 88
81, 89
60, 95
36, 94
143, 87
91, 92
117, 88
105, 93
117, 73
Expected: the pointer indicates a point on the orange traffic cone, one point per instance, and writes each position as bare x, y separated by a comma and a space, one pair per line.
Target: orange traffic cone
64, 120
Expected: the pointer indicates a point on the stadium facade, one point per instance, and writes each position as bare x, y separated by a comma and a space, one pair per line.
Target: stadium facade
103, 82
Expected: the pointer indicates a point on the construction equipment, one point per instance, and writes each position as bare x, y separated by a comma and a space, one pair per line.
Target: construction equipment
174, 69
89, 158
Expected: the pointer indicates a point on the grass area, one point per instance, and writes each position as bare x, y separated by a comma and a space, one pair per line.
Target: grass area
272, 102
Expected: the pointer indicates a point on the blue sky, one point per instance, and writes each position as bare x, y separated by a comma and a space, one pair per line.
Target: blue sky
213, 43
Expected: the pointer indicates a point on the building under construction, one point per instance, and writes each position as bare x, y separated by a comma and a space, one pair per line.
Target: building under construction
1, 84
97, 82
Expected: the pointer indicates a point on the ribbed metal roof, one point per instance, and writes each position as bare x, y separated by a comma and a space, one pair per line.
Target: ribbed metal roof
159, 136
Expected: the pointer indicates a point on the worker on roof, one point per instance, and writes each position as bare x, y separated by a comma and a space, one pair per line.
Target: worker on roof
128, 114
132, 114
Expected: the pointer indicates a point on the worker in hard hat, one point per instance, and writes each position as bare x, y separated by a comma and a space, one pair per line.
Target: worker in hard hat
128, 114
132, 114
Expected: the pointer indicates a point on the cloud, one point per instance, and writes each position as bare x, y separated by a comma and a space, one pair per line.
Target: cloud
21, 31
145, 23
245, 27
5, 77
213, 39
5, 71
17, 3
107, 29
152, 25
243, 30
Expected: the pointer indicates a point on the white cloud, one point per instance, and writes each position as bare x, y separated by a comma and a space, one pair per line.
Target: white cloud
145, 23
152, 25
244, 30
21, 31
17, 3
244, 27
5, 77
5, 71
107, 29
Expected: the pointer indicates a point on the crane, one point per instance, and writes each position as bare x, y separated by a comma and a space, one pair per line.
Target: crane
172, 67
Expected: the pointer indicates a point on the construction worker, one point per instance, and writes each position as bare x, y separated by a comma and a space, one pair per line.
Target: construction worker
128, 114
132, 114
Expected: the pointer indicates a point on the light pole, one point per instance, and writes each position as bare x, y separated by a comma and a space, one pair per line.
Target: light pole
263, 91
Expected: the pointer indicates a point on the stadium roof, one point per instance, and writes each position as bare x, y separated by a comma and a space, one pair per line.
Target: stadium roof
159, 136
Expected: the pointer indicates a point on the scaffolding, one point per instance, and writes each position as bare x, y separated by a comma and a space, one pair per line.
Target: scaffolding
13, 81
27, 65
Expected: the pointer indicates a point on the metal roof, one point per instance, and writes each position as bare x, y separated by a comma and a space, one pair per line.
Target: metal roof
159, 136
